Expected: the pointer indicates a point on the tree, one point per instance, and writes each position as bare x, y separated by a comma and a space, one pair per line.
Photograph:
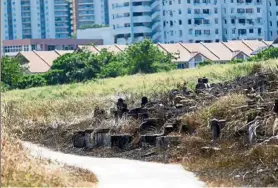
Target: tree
11, 72
147, 58
33, 80
73, 67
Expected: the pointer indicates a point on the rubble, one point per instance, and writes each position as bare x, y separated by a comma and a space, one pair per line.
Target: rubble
159, 126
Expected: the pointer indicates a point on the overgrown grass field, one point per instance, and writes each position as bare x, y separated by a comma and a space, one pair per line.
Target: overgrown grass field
65, 103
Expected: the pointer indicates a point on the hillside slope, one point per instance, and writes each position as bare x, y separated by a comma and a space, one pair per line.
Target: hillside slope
32, 113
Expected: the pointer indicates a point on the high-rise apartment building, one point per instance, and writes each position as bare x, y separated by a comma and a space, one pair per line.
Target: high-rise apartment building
132, 20
62, 18
244, 19
170, 21
26, 19
272, 21
165, 21
23, 19
191, 21
88, 12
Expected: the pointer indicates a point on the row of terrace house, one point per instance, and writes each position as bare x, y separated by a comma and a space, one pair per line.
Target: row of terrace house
187, 55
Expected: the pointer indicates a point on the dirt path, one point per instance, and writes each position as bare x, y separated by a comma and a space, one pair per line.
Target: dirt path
114, 172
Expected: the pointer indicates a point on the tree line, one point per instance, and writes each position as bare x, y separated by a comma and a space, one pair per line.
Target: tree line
79, 66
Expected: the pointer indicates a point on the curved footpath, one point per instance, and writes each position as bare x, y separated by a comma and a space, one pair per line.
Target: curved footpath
123, 173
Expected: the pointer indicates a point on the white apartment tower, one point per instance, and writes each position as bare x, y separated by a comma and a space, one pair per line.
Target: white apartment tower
272, 21
171, 21
244, 19
89, 12
132, 20
191, 21
25, 19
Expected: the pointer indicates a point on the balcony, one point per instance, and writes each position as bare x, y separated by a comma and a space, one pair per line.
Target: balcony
141, 0
141, 8
156, 26
140, 19
124, 41
156, 15
138, 39
82, 2
155, 5
121, 20
122, 30
156, 37
142, 29
63, 2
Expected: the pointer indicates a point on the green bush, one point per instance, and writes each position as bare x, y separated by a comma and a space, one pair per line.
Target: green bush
235, 61
33, 80
205, 63
147, 58
11, 72
269, 53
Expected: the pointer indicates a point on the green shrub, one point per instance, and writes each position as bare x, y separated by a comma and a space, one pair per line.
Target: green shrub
269, 53
235, 61
205, 63
11, 72
33, 80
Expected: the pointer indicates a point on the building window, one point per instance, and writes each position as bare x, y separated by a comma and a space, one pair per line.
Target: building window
234, 31
207, 32
180, 32
180, 22
259, 31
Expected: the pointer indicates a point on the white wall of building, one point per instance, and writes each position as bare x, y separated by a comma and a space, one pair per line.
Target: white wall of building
104, 33
188, 21
272, 21
244, 20
131, 20
35, 19
50, 19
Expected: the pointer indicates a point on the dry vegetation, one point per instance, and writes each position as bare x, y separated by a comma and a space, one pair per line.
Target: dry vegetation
19, 169
27, 112
236, 163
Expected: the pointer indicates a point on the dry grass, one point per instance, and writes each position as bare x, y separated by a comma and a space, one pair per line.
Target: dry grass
66, 102
236, 163
37, 108
18, 169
